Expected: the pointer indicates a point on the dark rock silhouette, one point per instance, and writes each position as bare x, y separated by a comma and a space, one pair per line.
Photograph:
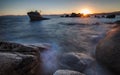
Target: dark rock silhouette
67, 15
108, 50
110, 16
75, 15
17, 59
100, 16
36, 16
103, 16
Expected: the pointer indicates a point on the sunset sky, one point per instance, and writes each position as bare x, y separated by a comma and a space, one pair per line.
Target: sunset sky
21, 7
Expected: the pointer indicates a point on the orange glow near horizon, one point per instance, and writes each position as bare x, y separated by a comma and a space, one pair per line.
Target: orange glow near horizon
85, 11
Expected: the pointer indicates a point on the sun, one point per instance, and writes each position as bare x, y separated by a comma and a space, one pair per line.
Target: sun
85, 11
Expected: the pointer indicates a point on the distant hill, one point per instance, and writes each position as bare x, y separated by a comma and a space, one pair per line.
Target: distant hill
108, 13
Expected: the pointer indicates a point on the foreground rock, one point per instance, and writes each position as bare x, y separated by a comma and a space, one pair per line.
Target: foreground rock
108, 50
67, 72
17, 59
76, 61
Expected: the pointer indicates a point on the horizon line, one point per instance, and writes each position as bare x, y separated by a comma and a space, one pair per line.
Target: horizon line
58, 14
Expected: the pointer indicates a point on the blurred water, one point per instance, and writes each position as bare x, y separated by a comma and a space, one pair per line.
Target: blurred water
72, 34
63, 34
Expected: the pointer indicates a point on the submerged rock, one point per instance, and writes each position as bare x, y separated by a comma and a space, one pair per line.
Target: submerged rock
67, 72
108, 50
76, 61
17, 59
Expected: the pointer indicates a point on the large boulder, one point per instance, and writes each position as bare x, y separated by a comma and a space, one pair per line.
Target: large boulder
17, 59
108, 50
67, 72
76, 61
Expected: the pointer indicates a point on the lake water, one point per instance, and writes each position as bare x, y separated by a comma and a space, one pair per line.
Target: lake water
62, 34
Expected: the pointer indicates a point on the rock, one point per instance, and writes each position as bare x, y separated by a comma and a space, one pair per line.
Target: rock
35, 16
111, 16
17, 59
67, 72
108, 50
76, 61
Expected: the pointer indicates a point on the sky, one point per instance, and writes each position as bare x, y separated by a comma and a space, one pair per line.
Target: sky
21, 7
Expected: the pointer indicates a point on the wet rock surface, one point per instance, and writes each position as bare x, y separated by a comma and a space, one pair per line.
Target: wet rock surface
67, 72
108, 50
17, 59
76, 61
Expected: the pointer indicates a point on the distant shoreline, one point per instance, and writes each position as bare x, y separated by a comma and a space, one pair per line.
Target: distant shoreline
103, 13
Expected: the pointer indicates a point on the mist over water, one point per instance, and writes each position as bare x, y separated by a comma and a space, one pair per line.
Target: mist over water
49, 59
61, 35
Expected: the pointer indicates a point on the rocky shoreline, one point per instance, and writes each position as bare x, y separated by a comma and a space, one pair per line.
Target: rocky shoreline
108, 50
18, 59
